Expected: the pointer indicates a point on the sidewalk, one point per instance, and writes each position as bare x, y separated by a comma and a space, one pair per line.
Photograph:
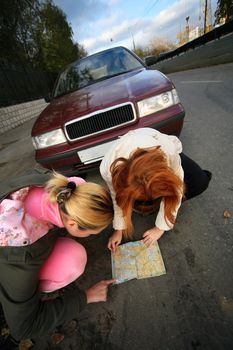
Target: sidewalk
16, 150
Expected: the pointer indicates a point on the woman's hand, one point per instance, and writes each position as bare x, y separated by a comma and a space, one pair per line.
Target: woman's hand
98, 292
152, 235
115, 240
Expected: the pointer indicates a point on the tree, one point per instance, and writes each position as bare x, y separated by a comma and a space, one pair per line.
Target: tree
224, 11
141, 52
157, 46
18, 20
54, 39
160, 45
37, 31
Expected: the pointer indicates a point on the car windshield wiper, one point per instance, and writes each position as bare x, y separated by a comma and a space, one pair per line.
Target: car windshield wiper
116, 74
67, 92
62, 94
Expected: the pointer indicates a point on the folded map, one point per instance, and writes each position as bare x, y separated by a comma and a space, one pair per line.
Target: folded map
135, 260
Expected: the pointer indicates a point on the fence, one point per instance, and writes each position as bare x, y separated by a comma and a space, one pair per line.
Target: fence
214, 34
13, 116
22, 83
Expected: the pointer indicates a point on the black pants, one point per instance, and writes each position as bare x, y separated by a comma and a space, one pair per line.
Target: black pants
196, 179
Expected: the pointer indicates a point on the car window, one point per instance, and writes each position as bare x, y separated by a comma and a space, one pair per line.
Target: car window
100, 66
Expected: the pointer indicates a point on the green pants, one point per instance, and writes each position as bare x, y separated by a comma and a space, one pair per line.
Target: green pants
25, 313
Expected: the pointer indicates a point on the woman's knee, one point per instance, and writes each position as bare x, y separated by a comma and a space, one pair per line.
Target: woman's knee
204, 183
64, 265
200, 186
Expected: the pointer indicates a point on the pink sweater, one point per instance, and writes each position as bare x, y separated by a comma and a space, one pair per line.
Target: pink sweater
27, 215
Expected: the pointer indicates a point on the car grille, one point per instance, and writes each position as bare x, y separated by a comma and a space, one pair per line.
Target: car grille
100, 121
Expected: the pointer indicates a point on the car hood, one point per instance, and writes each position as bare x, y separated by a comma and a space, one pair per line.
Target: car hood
131, 86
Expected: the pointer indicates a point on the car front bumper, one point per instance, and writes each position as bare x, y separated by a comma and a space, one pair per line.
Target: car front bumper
67, 161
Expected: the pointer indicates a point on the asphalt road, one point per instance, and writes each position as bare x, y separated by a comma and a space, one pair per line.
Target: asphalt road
191, 307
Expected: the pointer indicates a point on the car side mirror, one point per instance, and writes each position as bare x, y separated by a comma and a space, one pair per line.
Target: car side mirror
48, 97
149, 60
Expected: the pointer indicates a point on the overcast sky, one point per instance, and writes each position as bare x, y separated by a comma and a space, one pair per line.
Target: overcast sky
101, 24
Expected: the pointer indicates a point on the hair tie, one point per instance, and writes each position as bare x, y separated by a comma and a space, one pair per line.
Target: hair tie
66, 192
71, 185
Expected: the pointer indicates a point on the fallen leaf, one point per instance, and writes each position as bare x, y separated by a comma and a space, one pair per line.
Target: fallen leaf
56, 338
226, 304
25, 344
226, 214
5, 331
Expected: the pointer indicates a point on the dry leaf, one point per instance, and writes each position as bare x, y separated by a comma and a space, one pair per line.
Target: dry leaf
5, 331
226, 214
226, 304
56, 338
25, 344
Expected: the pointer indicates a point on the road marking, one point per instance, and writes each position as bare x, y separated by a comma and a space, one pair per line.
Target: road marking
201, 81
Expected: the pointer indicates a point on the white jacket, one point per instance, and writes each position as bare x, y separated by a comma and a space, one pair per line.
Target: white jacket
142, 138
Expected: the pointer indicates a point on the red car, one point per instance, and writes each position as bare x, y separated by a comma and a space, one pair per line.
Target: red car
96, 100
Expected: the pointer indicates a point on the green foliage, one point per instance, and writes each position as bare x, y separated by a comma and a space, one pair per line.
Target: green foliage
18, 19
224, 10
55, 39
37, 32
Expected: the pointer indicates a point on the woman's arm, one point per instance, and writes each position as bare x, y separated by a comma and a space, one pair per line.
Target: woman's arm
152, 235
175, 164
118, 219
115, 240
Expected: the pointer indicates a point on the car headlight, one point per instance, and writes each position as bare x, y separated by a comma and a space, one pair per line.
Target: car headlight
157, 103
49, 139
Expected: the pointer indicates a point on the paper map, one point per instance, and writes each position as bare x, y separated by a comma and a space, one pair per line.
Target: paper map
135, 260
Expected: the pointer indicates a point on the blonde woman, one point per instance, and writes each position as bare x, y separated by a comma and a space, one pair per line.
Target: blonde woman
33, 258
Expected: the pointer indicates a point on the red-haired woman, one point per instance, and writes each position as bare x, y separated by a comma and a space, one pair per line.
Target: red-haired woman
147, 169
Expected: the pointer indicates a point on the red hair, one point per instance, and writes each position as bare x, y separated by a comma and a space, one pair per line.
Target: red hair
145, 175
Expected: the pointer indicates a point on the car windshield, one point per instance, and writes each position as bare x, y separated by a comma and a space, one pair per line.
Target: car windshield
100, 66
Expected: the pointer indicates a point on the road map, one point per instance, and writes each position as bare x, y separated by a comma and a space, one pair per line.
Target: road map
135, 260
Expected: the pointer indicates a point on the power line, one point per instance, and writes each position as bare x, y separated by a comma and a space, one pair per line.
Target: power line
147, 7
150, 8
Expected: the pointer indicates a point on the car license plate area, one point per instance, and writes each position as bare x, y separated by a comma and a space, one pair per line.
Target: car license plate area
94, 154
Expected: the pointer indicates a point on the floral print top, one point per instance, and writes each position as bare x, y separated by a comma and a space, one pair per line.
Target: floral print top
17, 227
28, 214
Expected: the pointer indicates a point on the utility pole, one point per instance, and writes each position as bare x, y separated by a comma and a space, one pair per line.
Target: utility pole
207, 12
134, 47
205, 16
187, 29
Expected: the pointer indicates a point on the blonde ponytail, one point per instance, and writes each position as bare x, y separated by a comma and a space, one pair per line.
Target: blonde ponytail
89, 204
55, 185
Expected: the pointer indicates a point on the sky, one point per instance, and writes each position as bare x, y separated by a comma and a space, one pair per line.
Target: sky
102, 24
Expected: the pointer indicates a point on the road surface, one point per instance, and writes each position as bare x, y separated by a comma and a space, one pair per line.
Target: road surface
191, 307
